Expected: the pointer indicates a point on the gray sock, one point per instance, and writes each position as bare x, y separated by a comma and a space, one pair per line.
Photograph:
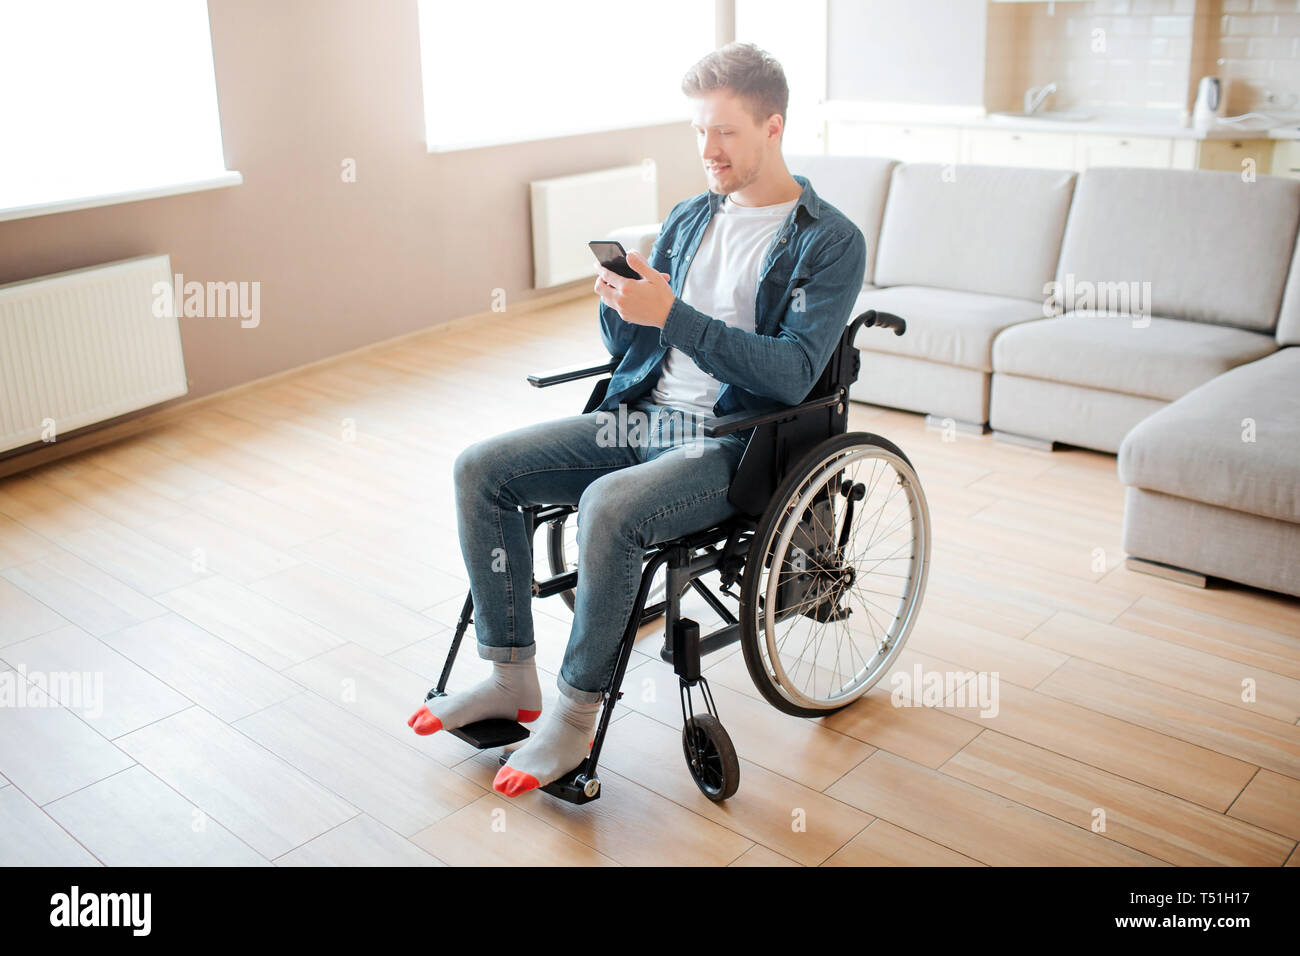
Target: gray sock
558, 746
511, 692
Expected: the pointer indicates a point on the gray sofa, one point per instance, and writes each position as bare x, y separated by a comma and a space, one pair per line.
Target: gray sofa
964, 253
1013, 283
1212, 250
1213, 480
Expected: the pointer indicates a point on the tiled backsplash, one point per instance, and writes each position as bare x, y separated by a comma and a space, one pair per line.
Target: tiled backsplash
1126, 54
1259, 50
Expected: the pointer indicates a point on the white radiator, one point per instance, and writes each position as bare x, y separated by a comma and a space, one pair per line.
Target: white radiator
570, 211
84, 346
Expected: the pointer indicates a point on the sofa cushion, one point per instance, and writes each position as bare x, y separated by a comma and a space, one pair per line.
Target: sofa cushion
856, 186
1196, 448
990, 229
1213, 248
1163, 359
1073, 414
953, 328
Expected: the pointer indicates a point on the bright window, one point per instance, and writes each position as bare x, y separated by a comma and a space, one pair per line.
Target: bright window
515, 70
101, 99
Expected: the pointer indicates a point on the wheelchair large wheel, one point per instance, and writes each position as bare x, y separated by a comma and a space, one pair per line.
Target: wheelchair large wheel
834, 575
562, 554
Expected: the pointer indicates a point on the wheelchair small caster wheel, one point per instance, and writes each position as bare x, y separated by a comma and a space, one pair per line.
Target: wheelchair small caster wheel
711, 757
590, 787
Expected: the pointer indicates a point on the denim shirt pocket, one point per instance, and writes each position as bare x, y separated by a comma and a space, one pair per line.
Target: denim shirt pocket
672, 259
661, 254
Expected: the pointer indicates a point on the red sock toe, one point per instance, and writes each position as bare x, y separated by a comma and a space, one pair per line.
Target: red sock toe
513, 782
526, 716
423, 722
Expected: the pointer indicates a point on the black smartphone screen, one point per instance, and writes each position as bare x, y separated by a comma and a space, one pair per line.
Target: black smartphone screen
613, 257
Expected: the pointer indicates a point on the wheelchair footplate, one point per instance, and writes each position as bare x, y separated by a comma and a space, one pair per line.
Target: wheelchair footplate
574, 787
484, 734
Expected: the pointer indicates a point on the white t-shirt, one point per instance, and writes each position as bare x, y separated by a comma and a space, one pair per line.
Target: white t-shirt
721, 282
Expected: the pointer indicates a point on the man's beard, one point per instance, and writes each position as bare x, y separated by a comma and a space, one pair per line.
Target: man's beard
740, 178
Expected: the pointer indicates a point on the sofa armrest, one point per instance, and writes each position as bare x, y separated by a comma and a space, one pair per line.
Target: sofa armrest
641, 238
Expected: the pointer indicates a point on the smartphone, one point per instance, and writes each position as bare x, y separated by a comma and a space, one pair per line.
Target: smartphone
613, 257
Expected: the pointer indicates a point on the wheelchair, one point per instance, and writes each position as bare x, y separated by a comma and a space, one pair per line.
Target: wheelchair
829, 548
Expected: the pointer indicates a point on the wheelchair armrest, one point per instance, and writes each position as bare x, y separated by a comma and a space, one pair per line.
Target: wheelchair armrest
739, 421
570, 373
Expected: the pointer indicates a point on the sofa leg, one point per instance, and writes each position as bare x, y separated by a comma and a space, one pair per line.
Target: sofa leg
1028, 441
945, 422
1167, 571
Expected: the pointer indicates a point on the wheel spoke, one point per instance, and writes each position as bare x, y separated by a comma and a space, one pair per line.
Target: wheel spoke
805, 632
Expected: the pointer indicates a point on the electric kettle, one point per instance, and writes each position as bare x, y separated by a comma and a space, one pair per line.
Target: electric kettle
1209, 102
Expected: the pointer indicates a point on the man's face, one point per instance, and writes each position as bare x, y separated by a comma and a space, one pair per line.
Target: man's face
732, 144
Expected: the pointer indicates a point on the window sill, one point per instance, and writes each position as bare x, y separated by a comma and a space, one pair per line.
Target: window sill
228, 178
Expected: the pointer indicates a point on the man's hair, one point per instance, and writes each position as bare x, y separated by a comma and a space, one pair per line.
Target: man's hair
750, 73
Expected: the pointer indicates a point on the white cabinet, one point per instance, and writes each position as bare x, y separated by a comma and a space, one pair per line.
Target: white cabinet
939, 142
1110, 150
921, 143
1184, 154
1004, 147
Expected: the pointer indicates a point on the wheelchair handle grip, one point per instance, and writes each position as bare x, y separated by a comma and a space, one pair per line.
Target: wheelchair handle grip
885, 320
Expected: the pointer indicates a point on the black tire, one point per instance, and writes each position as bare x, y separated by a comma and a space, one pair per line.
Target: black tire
758, 559
718, 773
558, 557
556, 553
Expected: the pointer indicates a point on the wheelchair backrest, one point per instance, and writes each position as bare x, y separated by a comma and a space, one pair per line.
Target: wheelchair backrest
775, 448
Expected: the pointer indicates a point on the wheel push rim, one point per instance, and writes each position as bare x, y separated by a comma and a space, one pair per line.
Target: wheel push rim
878, 574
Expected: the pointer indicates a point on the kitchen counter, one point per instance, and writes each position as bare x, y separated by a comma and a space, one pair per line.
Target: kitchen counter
1129, 127
1165, 123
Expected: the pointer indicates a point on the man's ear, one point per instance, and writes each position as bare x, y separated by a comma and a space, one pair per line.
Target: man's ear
775, 127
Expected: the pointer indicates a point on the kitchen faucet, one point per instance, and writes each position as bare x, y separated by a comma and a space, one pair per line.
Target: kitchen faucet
1035, 95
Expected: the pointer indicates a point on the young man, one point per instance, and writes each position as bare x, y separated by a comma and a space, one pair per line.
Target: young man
747, 291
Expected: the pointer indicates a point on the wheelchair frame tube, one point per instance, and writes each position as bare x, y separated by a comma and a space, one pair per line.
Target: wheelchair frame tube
612, 691
461, 626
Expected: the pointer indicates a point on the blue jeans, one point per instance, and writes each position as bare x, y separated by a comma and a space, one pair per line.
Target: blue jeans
634, 487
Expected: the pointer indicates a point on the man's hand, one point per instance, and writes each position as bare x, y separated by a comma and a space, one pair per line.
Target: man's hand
644, 301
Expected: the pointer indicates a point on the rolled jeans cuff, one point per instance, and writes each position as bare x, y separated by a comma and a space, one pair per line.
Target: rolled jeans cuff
490, 652
582, 696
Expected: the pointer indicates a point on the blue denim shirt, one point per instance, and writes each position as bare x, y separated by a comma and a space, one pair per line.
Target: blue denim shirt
810, 278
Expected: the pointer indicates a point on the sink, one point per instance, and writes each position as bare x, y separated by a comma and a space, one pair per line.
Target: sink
1060, 116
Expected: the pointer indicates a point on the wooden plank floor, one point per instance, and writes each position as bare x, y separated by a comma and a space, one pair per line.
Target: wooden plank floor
266, 587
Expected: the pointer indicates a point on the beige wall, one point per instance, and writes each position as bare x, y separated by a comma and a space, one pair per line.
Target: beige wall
906, 51
418, 239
